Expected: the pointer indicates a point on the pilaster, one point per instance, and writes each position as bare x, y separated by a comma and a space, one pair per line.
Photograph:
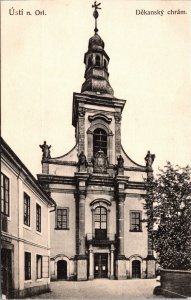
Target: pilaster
121, 182
81, 129
117, 134
81, 196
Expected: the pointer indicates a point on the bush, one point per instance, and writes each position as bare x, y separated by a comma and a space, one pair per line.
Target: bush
168, 207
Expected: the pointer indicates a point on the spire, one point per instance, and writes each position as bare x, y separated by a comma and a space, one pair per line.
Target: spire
95, 14
96, 61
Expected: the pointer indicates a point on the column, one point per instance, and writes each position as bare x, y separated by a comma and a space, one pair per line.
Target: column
91, 263
112, 262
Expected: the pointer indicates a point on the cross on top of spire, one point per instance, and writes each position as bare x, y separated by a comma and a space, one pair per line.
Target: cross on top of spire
95, 14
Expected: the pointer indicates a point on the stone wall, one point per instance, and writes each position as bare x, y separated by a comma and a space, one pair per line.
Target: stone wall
174, 284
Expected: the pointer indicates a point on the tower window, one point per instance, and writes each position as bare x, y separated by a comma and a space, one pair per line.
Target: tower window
99, 141
89, 62
105, 64
98, 61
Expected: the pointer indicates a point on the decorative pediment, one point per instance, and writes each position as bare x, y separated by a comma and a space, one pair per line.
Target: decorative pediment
100, 116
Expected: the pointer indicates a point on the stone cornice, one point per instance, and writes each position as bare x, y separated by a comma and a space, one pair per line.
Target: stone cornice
59, 162
47, 178
97, 100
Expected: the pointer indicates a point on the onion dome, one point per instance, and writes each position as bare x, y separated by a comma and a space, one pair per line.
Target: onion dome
96, 43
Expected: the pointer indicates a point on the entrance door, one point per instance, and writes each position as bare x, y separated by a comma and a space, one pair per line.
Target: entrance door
136, 269
100, 265
61, 269
6, 271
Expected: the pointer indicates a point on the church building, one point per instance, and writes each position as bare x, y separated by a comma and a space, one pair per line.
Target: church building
97, 229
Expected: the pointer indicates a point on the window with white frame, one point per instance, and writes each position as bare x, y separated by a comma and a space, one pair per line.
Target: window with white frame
39, 266
38, 218
27, 265
62, 218
26, 209
135, 221
4, 195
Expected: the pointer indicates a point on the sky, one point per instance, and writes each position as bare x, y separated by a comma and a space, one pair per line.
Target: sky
150, 67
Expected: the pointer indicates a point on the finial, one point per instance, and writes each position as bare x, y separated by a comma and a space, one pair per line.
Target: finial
95, 14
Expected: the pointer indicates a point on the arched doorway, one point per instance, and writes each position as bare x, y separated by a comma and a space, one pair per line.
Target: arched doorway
61, 269
136, 269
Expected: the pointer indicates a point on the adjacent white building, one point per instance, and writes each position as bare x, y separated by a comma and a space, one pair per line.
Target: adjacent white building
25, 229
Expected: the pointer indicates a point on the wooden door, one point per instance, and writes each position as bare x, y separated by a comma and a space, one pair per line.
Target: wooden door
100, 265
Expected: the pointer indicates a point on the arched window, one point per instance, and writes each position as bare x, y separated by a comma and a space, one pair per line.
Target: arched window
100, 219
99, 141
98, 60
136, 269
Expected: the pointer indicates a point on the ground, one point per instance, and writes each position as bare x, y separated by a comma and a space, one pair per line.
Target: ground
101, 289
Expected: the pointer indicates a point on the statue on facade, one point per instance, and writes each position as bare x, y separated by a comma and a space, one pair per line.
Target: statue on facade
45, 150
100, 162
82, 162
149, 158
120, 161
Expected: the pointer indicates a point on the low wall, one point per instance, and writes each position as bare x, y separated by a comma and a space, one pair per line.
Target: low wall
174, 284
35, 290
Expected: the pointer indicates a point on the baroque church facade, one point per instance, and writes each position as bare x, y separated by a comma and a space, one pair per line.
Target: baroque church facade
96, 228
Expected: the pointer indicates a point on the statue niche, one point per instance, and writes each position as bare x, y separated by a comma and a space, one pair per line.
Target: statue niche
100, 162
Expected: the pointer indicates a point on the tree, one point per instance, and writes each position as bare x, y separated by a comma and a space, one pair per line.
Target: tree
168, 207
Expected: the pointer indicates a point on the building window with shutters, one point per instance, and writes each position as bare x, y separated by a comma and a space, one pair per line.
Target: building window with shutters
38, 218
4, 195
39, 266
26, 209
62, 218
27, 265
135, 221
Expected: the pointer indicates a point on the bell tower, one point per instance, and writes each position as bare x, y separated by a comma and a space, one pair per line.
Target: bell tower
96, 112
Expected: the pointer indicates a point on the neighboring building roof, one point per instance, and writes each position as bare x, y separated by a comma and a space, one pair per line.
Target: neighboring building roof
11, 156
